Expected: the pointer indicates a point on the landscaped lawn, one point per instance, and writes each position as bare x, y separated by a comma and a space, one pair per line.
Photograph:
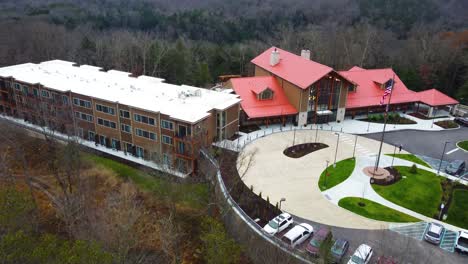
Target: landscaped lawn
410, 157
375, 210
458, 211
337, 175
463, 145
192, 195
420, 192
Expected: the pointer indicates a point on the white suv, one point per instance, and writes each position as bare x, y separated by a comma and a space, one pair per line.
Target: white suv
278, 224
461, 244
298, 234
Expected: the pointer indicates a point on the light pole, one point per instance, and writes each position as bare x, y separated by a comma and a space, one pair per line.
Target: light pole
394, 153
442, 158
316, 132
326, 174
281, 200
336, 151
368, 121
355, 143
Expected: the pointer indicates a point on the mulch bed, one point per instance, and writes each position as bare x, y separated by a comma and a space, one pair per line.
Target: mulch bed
249, 128
252, 204
301, 150
400, 121
394, 176
447, 124
421, 116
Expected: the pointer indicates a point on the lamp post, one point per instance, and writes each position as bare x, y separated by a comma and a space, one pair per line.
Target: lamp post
336, 151
326, 174
281, 200
368, 121
355, 143
394, 153
442, 158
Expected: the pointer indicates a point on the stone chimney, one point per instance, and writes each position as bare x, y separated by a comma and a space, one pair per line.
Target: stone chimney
274, 57
305, 54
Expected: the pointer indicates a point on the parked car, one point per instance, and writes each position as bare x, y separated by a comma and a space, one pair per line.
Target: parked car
386, 260
434, 233
339, 249
461, 120
278, 224
362, 255
455, 167
313, 247
461, 244
298, 234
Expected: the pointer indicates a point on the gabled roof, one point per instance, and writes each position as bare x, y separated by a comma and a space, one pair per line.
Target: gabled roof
293, 68
254, 108
368, 92
258, 88
433, 97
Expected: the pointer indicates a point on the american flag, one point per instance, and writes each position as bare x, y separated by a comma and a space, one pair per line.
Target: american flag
388, 90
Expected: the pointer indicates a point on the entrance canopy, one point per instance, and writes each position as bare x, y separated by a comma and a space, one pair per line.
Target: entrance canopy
434, 97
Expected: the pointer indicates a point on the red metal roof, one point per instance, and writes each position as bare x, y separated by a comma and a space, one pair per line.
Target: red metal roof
247, 88
434, 97
369, 93
293, 68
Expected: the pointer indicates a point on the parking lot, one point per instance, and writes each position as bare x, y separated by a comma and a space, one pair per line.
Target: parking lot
404, 242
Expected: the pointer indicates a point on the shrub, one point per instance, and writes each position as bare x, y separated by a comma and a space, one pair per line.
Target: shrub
414, 169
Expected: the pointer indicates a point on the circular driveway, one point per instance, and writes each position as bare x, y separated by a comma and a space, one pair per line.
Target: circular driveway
278, 176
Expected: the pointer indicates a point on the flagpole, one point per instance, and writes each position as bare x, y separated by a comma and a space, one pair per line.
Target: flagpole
385, 124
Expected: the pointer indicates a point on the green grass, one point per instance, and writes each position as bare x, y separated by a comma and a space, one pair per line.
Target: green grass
463, 145
375, 210
420, 192
458, 211
337, 175
410, 157
192, 195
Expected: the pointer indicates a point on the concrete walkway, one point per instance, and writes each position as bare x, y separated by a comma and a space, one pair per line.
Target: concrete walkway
278, 176
349, 126
358, 185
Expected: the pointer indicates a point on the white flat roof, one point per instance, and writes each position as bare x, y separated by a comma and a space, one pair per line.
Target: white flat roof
185, 103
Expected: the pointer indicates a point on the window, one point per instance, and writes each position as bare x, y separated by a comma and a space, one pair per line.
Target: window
267, 94
91, 135
140, 152
114, 143
25, 89
144, 119
35, 92
84, 116
45, 93
351, 88
105, 109
82, 103
106, 123
126, 128
167, 125
65, 99
166, 139
18, 86
145, 134
124, 114
184, 131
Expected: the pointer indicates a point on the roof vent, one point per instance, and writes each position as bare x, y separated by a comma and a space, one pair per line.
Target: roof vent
274, 57
305, 54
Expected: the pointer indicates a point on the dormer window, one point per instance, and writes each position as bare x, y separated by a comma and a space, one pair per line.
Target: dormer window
266, 94
351, 88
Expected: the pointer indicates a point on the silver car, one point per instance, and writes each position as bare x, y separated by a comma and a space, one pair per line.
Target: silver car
434, 233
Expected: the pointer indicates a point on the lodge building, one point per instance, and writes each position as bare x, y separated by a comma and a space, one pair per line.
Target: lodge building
287, 87
143, 116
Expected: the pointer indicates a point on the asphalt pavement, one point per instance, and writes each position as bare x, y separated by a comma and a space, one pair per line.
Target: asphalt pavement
428, 143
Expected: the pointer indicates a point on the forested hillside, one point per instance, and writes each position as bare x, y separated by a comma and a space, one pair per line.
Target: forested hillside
193, 42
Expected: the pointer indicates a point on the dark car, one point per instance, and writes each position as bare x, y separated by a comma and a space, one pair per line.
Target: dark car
313, 247
455, 167
339, 249
462, 121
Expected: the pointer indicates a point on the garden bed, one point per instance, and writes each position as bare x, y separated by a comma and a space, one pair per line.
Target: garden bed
298, 151
393, 119
331, 176
394, 177
463, 145
447, 124
252, 204
423, 117
410, 157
